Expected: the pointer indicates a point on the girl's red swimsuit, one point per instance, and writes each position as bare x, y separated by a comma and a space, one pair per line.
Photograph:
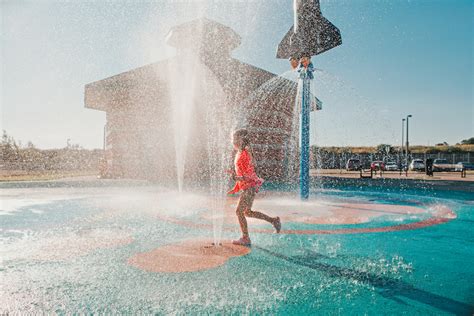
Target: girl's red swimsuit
244, 168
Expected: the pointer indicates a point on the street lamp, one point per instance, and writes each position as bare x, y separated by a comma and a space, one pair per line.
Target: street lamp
408, 116
401, 147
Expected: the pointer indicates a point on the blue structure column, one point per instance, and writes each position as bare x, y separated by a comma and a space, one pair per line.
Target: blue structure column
304, 138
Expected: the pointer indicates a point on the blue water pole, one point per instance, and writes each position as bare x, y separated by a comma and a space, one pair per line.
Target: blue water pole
304, 138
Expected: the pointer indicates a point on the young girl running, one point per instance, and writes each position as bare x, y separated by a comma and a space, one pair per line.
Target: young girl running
248, 182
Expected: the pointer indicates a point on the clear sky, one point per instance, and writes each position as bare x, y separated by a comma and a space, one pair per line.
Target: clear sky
398, 57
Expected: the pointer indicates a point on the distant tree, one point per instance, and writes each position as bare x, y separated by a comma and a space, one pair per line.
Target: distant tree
453, 149
71, 146
7, 140
442, 144
9, 148
469, 141
72, 157
432, 150
384, 149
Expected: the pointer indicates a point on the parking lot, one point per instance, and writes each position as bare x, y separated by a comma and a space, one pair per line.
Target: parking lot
396, 174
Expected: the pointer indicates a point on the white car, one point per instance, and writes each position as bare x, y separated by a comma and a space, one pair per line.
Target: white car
464, 166
443, 165
417, 164
391, 166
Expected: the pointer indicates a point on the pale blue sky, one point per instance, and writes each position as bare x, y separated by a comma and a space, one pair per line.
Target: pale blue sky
397, 58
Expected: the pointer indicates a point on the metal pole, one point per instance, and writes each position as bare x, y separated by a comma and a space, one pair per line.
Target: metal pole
304, 156
401, 146
408, 116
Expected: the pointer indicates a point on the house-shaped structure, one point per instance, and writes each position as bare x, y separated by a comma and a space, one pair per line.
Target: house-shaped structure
139, 141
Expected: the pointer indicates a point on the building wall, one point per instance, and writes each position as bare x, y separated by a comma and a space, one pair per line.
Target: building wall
140, 139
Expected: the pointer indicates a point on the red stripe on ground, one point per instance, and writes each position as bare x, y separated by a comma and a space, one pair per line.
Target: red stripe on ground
409, 226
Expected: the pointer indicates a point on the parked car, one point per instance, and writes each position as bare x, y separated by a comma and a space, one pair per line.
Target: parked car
464, 165
391, 166
417, 164
443, 165
377, 165
353, 164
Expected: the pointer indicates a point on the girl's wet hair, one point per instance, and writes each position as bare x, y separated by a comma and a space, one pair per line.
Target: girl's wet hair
244, 135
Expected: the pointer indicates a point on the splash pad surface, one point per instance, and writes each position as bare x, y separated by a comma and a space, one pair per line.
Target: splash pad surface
126, 250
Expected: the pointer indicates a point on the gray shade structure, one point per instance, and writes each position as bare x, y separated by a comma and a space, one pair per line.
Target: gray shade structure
311, 34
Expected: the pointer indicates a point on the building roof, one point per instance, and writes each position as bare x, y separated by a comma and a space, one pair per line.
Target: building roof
204, 34
215, 43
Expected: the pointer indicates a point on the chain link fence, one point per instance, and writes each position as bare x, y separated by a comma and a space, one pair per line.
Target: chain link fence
329, 160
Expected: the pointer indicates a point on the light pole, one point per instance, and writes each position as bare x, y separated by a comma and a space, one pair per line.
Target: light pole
401, 147
408, 116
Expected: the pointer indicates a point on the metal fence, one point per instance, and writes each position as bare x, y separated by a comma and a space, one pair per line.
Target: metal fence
328, 160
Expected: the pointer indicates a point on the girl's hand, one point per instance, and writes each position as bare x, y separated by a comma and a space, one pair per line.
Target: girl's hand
232, 174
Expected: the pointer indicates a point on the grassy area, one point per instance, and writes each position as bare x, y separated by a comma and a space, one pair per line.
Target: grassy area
21, 175
441, 149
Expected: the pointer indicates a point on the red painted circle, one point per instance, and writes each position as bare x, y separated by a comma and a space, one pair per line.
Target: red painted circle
439, 218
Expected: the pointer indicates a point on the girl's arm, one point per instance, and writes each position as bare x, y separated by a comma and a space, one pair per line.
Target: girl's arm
234, 176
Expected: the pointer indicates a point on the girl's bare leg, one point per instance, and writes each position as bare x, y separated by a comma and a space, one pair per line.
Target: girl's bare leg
259, 215
243, 224
245, 203
255, 214
275, 221
244, 209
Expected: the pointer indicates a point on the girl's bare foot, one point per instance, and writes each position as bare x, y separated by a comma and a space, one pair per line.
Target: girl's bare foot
244, 241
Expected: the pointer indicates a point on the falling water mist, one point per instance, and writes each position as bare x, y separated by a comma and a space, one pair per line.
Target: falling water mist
202, 123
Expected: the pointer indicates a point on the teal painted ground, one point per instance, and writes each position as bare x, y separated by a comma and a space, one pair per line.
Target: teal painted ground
427, 271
